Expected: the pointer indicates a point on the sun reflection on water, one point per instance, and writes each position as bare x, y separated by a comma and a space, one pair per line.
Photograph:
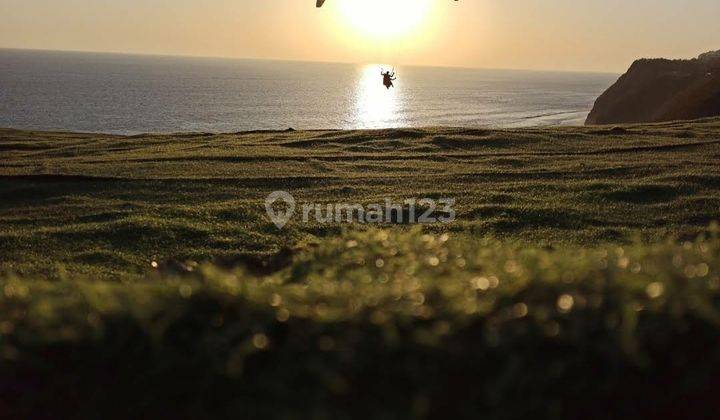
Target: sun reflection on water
376, 106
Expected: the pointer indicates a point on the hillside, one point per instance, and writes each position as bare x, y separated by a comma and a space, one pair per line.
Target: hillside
140, 276
106, 206
655, 90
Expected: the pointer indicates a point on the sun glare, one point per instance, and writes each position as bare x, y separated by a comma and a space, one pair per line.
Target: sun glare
384, 18
376, 106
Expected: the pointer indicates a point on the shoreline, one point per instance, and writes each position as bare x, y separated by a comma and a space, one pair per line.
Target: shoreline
351, 130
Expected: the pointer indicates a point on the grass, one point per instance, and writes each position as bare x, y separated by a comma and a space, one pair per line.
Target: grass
379, 324
580, 279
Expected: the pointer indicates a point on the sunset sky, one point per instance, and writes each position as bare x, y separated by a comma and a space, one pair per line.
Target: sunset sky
599, 35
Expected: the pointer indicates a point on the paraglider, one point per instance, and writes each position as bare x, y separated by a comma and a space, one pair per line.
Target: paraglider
388, 78
319, 3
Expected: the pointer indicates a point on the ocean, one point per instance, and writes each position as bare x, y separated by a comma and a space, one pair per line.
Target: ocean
130, 94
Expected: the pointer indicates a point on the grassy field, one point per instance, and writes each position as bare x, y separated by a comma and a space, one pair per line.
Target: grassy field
105, 207
580, 278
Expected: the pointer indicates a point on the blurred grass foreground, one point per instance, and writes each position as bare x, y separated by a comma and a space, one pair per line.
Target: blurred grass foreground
141, 278
379, 324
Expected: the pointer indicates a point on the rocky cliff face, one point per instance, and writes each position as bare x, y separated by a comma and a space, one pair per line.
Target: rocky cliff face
655, 90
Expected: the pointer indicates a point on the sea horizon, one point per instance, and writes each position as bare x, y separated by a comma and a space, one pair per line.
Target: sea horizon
121, 93
285, 60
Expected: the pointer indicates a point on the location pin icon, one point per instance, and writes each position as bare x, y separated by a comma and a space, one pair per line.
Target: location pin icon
280, 218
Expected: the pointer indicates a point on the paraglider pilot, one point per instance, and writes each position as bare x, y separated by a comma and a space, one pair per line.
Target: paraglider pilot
388, 78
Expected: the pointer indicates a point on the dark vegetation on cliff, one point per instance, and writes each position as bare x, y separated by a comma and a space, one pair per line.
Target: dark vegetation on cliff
655, 90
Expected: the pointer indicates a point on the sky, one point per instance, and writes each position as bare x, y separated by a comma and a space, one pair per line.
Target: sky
586, 35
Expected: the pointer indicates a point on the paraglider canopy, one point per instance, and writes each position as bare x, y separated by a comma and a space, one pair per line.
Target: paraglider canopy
321, 2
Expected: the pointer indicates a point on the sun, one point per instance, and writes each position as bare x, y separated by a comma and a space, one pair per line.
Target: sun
384, 18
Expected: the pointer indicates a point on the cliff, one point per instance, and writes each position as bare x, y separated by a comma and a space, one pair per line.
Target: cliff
655, 90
